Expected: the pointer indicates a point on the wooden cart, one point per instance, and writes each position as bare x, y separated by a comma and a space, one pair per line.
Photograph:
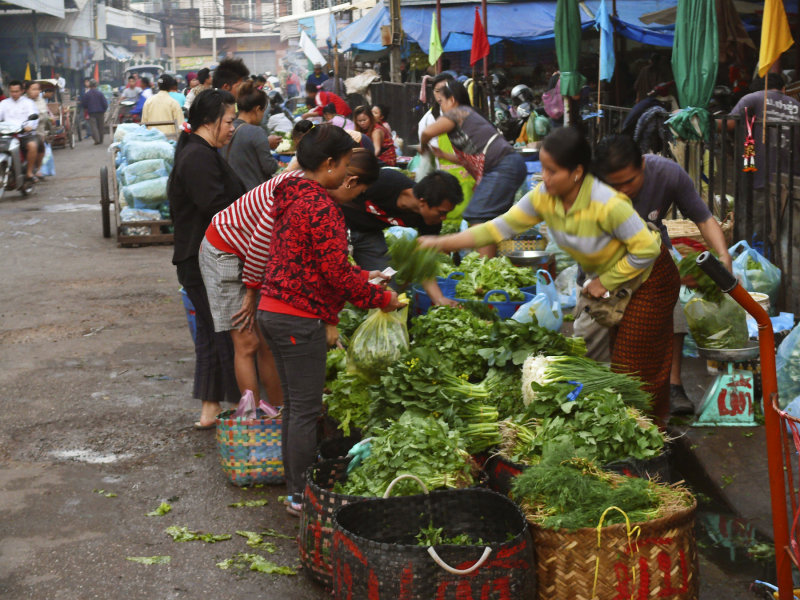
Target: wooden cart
130, 234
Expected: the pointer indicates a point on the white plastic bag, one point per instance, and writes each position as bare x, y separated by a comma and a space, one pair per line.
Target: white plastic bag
756, 273
545, 307
567, 286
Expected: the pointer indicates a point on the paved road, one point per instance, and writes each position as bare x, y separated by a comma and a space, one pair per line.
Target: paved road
95, 388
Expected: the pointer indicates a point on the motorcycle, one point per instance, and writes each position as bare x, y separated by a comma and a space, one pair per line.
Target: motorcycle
13, 160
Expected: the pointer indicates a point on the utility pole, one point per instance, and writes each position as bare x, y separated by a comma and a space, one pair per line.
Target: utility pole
439, 27
36, 67
172, 39
396, 25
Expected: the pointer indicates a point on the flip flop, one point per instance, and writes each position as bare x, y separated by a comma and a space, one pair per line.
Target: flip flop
199, 427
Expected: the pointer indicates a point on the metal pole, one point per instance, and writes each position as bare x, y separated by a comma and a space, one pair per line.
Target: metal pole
486, 59
172, 39
36, 66
439, 27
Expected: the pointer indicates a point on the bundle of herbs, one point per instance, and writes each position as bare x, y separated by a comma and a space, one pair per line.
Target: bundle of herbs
348, 401
705, 286
511, 342
563, 492
455, 335
418, 444
412, 263
482, 274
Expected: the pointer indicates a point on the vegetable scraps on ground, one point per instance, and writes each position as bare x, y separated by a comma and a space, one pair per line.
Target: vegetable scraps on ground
149, 560
255, 562
182, 534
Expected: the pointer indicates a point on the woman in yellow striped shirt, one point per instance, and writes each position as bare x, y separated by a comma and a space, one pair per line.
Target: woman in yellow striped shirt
599, 228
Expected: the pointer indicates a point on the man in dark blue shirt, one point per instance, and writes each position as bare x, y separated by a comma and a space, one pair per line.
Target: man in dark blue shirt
317, 77
95, 103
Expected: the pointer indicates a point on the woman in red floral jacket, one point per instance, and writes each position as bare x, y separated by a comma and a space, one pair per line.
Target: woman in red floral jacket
306, 283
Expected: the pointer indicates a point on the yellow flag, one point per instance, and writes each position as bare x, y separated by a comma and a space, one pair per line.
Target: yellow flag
27, 72
435, 49
776, 38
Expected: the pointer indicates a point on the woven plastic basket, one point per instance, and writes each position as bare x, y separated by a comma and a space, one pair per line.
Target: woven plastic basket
686, 237
316, 522
377, 555
250, 449
661, 564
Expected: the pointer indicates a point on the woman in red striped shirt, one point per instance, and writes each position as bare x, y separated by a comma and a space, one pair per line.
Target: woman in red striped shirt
233, 257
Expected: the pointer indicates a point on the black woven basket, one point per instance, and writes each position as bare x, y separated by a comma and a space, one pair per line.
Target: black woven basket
501, 472
376, 554
315, 537
336, 447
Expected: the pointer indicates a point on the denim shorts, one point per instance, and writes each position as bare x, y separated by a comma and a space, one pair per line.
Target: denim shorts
495, 194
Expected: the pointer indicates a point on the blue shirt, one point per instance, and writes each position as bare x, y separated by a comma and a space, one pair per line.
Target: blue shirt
94, 102
178, 97
317, 81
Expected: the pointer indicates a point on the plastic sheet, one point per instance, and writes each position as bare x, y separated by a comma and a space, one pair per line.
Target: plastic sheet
146, 194
142, 171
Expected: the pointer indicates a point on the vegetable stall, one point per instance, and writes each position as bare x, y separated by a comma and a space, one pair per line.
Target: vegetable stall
465, 399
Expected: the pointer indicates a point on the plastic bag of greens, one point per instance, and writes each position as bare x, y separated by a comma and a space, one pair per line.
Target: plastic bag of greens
717, 325
756, 272
378, 342
146, 194
143, 170
140, 150
545, 307
787, 364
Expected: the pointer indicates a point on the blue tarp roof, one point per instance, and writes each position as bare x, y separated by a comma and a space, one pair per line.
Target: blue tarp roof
522, 22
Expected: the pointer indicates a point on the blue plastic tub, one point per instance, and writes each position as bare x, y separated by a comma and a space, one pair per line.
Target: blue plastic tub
191, 316
422, 302
506, 309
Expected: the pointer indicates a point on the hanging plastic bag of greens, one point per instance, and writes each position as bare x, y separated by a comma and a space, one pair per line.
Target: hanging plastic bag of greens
756, 273
717, 325
378, 342
787, 364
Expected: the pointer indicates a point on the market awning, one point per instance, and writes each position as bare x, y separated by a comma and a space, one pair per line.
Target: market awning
117, 53
48, 7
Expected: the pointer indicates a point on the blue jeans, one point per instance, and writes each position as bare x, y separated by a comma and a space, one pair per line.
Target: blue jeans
495, 194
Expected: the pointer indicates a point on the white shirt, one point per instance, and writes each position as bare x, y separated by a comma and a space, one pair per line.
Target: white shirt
148, 92
62, 83
19, 111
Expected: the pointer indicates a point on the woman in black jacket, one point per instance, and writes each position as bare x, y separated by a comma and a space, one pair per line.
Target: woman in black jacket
201, 185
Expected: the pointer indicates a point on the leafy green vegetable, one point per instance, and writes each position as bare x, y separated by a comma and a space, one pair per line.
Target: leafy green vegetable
482, 274
149, 560
162, 509
434, 536
275, 534
511, 342
256, 540
348, 401
105, 493
261, 502
705, 285
571, 493
717, 325
182, 534
335, 362
350, 317
455, 336
417, 444
412, 263
255, 562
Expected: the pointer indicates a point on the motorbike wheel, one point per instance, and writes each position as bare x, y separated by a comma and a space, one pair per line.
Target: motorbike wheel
105, 202
3, 179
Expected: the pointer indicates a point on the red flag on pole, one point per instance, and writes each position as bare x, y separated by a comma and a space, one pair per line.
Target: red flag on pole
480, 43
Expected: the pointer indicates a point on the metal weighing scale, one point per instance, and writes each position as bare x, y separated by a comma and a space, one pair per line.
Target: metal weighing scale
729, 399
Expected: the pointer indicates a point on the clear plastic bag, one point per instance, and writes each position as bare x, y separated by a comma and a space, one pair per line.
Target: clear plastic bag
378, 342
545, 307
756, 273
140, 150
567, 286
143, 171
717, 326
146, 194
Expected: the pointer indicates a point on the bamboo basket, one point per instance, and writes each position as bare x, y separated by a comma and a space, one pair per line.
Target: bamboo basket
660, 564
686, 237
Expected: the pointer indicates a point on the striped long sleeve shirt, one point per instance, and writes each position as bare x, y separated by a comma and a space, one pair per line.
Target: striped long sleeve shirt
245, 227
601, 230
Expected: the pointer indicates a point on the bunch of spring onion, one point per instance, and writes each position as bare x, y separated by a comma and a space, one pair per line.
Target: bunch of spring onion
593, 376
480, 427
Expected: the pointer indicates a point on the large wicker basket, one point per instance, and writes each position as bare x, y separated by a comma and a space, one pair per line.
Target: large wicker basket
662, 564
686, 237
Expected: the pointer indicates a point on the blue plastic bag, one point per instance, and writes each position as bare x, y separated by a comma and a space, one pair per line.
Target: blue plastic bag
48, 164
545, 307
756, 273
